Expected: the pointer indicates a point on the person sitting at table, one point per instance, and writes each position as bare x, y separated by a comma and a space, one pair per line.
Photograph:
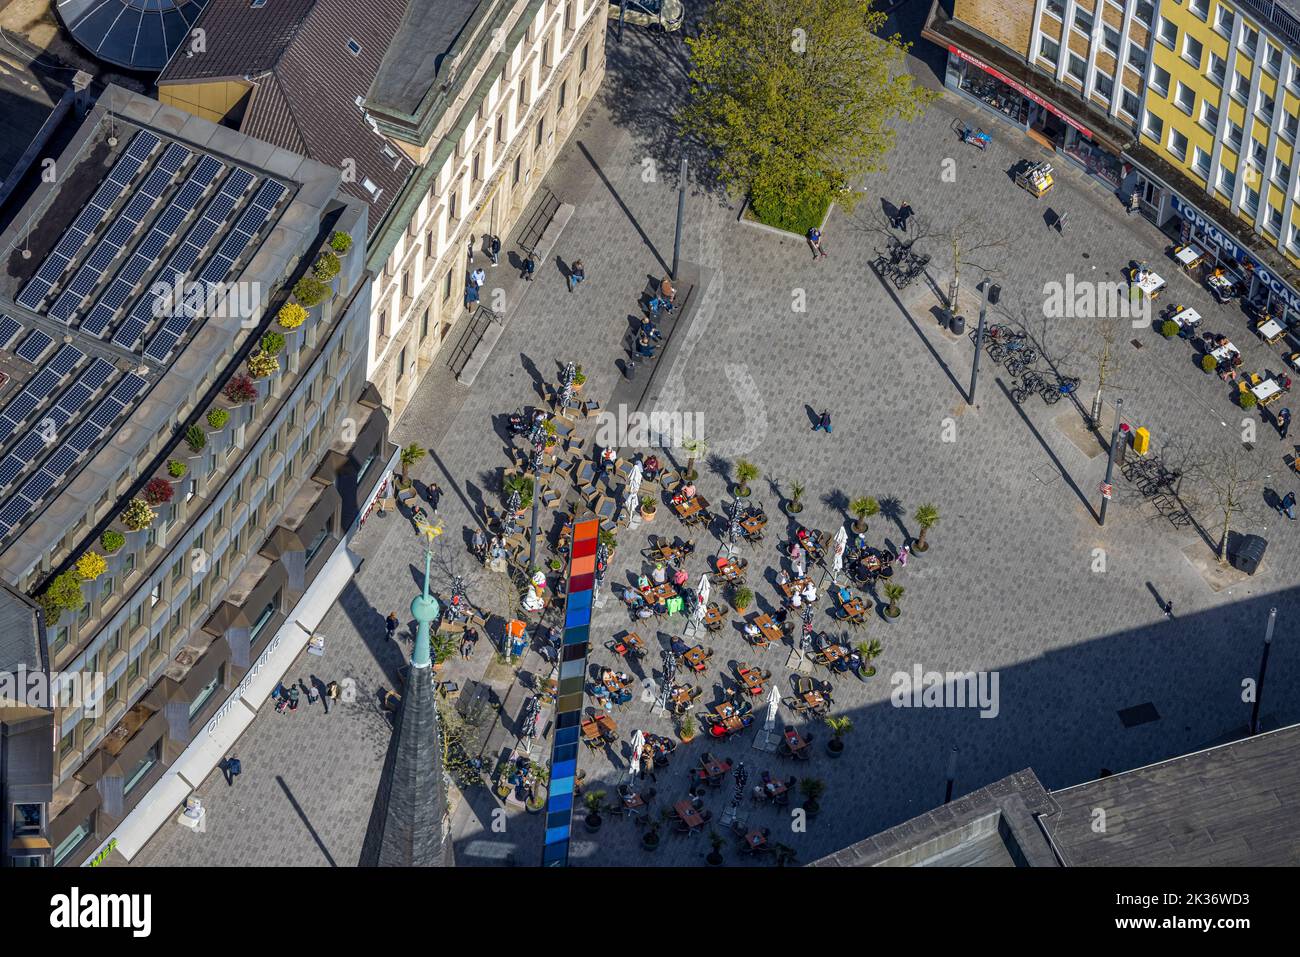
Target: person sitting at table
810, 592
650, 467
660, 573
752, 630
679, 647
802, 535
680, 577
782, 578
796, 599
795, 551
648, 328
845, 595
688, 491
686, 548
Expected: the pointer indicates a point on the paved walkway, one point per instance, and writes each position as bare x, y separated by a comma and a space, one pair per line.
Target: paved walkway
1010, 585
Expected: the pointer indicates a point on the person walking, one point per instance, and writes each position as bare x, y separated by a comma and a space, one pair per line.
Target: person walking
529, 267
903, 215
391, 623
494, 249
313, 692
1283, 420
435, 495
1169, 608
471, 249
331, 694
231, 768
1287, 505
815, 241
576, 274
823, 422
902, 555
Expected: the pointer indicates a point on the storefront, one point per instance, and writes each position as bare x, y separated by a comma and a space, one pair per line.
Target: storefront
1043, 121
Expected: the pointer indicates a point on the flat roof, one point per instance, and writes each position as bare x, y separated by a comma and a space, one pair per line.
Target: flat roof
96, 358
30, 91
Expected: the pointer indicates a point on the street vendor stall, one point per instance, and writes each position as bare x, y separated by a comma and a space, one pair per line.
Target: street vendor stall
1037, 178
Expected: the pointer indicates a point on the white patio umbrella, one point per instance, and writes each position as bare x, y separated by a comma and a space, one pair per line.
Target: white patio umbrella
634, 480
638, 742
702, 606
631, 503
773, 702
841, 542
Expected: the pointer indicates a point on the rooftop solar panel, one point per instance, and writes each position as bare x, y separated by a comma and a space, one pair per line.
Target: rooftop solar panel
134, 270
32, 295
36, 487
61, 461
96, 374
98, 320
106, 412
54, 419
161, 345
272, 192
206, 172
127, 390
10, 469
142, 144
128, 333
7, 427
29, 446
21, 406
84, 437
238, 181
14, 512
52, 268
34, 346
43, 383
74, 397
72, 241
220, 207
9, 329
65, 360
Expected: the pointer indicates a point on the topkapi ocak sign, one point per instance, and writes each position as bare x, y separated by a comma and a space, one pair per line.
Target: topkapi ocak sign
1207, 229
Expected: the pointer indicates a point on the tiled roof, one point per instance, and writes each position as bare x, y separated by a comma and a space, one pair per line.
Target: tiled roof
309, 61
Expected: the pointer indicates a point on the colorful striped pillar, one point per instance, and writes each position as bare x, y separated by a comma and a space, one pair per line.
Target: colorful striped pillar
568, 703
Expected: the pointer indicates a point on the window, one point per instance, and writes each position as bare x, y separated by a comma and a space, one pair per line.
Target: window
1223, 18
155, 593
1234, 134
1216, 69
582, 60
365, 467
1178, 144
1167, 33
264, 618
541, 131
1249, 200
142, 767
383, 323
1273, 60
1200, 7
514, 175
114, 643
1137, 57
74, 840
1049, 49
137, 618
1082, 20
27, 819
178, 569
1241, 86
501, 129
406, 273
1160, 81
1289, 122
1249, 39
446, 287
1281, 171
1265, 106
424, 325
321, 538
1078, 66
1130, 104
1104, 85
1192, 50
1185, 98
132, 671
206, 692
1259, 153
1056, 8
1227, 180
1274, 223
1201, 161
1110, 39
354, 47
564, 93
523, 91
476, 169
1294, 80
1209, 116
1155, 127
1144, 11
401, 364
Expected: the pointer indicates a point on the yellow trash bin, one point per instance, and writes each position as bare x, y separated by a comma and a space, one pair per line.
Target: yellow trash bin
1141, 441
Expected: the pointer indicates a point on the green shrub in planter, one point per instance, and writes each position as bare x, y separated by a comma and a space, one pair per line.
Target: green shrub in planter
177, 469
1209, 363
90, 566
217, 418
262, 364
1169, 329
310, 291
112, 540
196, 439
742, 598
1246, 400
137, 516
273, 343
64, 594
291, 315
327, 267
340, 242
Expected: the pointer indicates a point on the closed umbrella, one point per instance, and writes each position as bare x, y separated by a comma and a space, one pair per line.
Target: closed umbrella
841, 542
773, 702
569, 373
703, 591
634, 480
638, 742
742, 777
670, 672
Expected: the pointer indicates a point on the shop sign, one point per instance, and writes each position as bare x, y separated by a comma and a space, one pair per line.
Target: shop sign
1019, 89
1207, 229
258, 665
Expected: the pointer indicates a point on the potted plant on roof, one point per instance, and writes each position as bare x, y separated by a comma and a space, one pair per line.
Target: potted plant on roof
926, 516
746, 472
540, 778
812, 788
177, 470
137, 515
648, 508
196, 439
592, 799
112, 540
650, 837
862, 509
840, 726
158, 491
340, 242
893, 592
217, 418
868, 651
716, 842
795, 505
579, 379
240, 388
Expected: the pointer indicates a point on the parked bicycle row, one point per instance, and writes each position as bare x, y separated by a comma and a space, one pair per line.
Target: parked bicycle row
900, 264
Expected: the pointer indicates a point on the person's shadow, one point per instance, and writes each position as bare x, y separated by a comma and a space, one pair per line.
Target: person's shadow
889, 209
813, 416
563, 267
1051, 217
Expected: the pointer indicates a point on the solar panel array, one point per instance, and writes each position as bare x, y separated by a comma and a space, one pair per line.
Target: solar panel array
118, 235
34, 346
124, 171
146, 253
9, 329
40, 388
57, 466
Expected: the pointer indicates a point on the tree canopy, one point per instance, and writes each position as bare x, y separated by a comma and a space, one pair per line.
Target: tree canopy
796, 100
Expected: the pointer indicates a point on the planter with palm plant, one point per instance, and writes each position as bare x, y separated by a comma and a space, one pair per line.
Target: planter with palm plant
687, 730
741, 598
592, 799
410, 455
862, 509
695, 449
785, 854
795, 505
523, 484
868, 651
812, 788
716, 842
893, 592
840, 726
648, 508
650, 837
926, 516
746, 472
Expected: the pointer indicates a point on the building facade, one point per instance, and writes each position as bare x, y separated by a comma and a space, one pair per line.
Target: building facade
1186, 110
256, 499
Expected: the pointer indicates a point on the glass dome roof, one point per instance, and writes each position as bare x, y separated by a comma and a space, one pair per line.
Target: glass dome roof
134, 34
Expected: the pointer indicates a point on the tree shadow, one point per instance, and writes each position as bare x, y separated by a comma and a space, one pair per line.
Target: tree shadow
891, 509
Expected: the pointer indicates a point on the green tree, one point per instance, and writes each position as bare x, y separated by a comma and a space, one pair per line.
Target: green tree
410, 455
926, 516
796, 100
746, 472
892, 594
862, 509
523, 484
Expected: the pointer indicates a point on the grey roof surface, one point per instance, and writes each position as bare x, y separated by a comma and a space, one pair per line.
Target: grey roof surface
1234, 805
136, 34
306, 80
164, 384
418, 54
20, 644
29, 93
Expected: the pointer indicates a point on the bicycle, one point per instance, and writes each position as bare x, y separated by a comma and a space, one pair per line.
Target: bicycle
1004, 348
1064, 385
1029, 385
1021, 360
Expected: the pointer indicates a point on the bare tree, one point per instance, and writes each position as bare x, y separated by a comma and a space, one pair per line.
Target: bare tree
967, 241
1233, 480
1102, 350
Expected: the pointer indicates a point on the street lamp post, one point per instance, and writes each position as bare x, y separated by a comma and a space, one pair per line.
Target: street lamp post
622, 14
1263, 667
1110, 463
990, 294
681, 212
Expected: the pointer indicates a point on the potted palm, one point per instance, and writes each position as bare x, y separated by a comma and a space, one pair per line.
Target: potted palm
812, 788
840, 726
592, 799
650, 837
579, 379
716, 842
686, 730
746, 472
695, 449
893, 592
925, 517
648, 506
741, 598
862, 509
522, 484
868, 651
536, 802
410, 455
795, 505
785, 855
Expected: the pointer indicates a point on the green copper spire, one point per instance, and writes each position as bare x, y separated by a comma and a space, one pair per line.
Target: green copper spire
425, 609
